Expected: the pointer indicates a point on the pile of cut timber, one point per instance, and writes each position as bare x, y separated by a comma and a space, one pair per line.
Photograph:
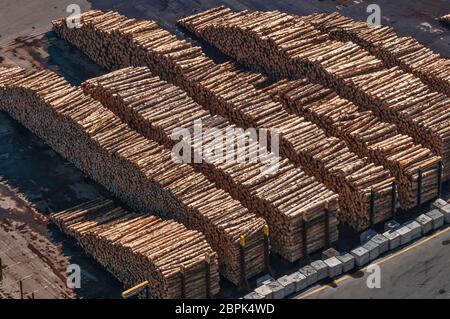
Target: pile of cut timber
284, 37
139, 171
365, 134
284, 196
284, 45
404, 52
136, 247
120, 41
402, 99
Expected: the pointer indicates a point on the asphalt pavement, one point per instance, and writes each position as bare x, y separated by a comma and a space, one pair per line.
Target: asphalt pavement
420, 270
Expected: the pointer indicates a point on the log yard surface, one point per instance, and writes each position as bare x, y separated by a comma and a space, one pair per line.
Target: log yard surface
36, 181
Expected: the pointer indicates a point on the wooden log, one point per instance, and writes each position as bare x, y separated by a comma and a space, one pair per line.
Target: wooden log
138, 247
224, 93
139, 171
155, 108
404, 52
295, 49
364, 133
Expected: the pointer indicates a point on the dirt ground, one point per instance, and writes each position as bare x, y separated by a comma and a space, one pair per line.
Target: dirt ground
36, 181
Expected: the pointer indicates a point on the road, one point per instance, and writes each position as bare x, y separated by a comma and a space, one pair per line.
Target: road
417, 271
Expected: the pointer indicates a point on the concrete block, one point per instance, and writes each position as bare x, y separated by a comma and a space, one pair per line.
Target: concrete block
278, 291
348, 262
437, 217
263, 280
382, 242
367, 235
446, 211
299, 280
334, 267
310, 273
374, 250
391, 225
426, 223
361, 255
330, 252
253, 295
438, 203
416, 229
321, 268
394, 238
405, 235
288, 284
264, 291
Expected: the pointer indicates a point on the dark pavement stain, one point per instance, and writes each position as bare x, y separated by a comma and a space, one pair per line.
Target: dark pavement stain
446, 242
357, 274
333, 284
442, 291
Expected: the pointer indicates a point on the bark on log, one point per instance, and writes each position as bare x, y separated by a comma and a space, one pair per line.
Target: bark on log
287, 47
405, 52
114, 41
274, 189
365, 134
137, 247
139, 171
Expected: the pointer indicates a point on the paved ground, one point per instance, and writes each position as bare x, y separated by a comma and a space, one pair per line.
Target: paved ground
48, 183
35, 181
420, 270
26, 254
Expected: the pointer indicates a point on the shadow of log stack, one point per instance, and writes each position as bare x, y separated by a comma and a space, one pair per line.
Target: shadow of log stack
138, 171
114, 41
287, 47
445, 20
138, 247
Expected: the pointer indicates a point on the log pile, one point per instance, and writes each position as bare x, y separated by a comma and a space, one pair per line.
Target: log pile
404, 52
139, 171
402, 99
284, 196
284, 45
136, 247
243, 34
121, 42
365, 134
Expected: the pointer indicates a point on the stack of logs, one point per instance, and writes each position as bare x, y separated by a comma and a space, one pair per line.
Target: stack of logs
136, 247
402, 99
271, 187
366, 135
285, 45
119, 41
284, 37
404, 52
140, 172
